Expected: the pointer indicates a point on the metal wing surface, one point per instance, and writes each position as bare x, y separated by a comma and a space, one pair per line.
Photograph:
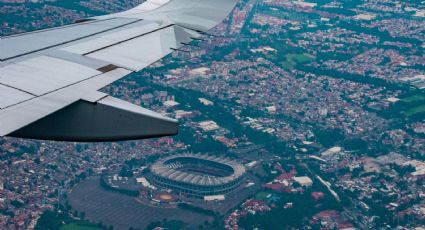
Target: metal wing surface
49, 79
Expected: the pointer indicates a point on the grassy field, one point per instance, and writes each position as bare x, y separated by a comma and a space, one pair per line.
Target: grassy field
414, 98
411, 106
261, 195
76, 226
416, 110
282, 13
293, 60
300, 58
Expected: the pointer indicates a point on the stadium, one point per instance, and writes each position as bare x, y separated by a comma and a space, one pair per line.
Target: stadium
197, 175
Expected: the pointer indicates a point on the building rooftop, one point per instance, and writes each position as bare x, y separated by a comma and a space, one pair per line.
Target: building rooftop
160, 168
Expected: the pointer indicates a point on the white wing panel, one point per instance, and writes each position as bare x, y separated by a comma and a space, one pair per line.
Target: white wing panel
20, 115
194, 14
85, 47
140, 52
145, 7
112, 38
10, 96
26, 43
148, 6
44, 74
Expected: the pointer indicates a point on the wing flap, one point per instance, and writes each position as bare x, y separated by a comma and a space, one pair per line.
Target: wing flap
139, 52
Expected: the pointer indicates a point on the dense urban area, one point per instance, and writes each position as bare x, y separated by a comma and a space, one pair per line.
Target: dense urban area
323, 102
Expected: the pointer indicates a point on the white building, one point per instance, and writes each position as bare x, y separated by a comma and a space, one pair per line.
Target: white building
303, 181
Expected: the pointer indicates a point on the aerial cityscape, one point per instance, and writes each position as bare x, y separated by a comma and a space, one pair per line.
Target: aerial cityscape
293, 115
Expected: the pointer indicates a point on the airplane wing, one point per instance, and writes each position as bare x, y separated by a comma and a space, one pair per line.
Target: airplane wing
49, 79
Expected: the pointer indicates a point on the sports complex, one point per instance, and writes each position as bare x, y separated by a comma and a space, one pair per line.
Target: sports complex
197, 174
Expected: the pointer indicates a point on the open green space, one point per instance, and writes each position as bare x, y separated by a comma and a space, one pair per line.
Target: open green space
300, 58
61, 220
77, 226
262, 195
411, 107
415, 110
283, 13
413, 98
292, 60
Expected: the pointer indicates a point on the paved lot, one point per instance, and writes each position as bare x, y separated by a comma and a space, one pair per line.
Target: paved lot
123, 211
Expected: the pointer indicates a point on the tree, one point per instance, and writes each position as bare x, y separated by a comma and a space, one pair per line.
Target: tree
48, 220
